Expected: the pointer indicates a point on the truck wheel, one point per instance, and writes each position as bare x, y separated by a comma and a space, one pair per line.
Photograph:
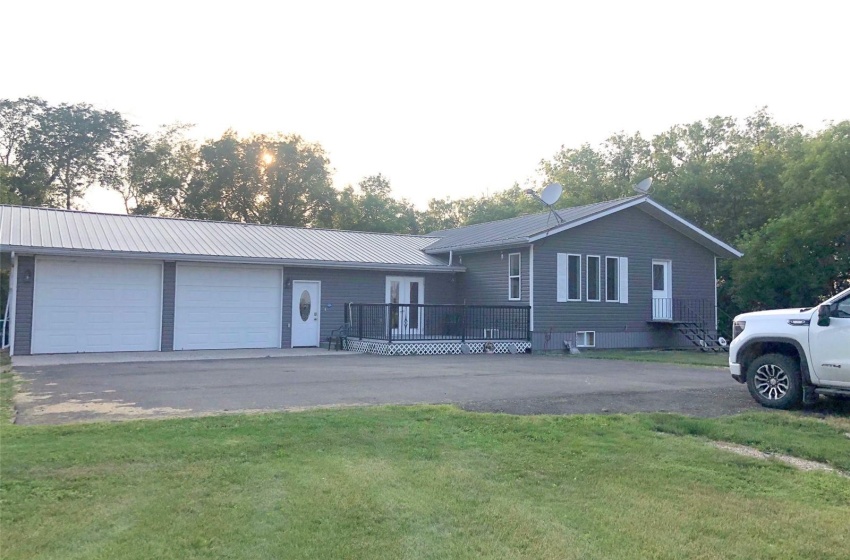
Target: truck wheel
774, 381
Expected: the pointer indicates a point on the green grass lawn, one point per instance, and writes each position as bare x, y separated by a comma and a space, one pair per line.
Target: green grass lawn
422, 482
8, 384
684, 357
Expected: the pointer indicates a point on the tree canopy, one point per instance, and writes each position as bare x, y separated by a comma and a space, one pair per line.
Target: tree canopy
777, 192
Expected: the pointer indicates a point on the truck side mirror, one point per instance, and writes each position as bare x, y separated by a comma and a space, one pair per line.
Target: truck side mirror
824, 311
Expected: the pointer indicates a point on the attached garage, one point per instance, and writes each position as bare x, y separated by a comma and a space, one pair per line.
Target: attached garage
96, 305
88, 282
220, 307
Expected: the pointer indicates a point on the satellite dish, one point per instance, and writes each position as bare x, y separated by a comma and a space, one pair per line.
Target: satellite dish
643, 186
551, 194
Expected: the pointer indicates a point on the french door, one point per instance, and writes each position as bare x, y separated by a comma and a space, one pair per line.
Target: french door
405, 294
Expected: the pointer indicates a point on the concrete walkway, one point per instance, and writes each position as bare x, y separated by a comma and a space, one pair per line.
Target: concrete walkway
41, 360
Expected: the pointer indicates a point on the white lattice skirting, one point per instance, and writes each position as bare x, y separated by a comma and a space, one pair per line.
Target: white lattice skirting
440, 347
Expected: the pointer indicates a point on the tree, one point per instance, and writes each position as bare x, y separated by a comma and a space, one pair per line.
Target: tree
279, 180
372, 208
443, 213
56, 153
152, 172
17, 120
803, 254
509, 203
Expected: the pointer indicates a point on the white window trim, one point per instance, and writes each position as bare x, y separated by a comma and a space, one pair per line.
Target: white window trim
577, 276
517, 276
598, 278
616, 280
581, 339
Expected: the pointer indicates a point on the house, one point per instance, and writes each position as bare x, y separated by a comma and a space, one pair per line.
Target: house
623, 273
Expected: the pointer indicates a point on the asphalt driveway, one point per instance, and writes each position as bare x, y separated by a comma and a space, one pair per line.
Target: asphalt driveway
499, 383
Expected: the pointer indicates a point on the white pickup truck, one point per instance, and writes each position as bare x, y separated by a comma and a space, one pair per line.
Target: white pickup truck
790, 356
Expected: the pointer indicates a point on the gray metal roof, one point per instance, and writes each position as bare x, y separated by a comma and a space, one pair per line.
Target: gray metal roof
527, 229
64, 232
514, 230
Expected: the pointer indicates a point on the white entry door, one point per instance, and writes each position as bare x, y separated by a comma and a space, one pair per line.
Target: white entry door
662, 290
306, 313
405, 294
225, 307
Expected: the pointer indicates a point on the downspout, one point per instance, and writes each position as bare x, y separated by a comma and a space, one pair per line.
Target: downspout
451, 256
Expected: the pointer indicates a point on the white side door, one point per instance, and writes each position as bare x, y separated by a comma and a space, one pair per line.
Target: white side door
830, 345
306, 313
662, 290
405, 294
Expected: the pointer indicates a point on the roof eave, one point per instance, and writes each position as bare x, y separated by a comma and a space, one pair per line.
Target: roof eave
301, 263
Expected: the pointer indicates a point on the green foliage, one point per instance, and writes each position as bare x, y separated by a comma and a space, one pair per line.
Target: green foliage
56, 152
372, 208
803, 255
152, 172
683, 357
260, 179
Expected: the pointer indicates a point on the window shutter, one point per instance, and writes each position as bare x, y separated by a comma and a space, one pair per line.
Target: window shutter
562, 277
624, 280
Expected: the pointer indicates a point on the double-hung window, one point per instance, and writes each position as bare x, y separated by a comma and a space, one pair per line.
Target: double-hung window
514, 277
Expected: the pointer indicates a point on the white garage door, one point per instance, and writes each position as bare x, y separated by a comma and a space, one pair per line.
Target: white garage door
96, 306
227, 307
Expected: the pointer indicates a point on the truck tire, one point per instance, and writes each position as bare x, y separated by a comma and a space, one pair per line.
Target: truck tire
774, 381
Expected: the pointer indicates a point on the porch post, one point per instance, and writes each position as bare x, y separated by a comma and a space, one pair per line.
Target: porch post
463, 324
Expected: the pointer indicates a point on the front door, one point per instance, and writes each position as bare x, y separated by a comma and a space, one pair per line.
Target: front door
829, 353
306, 317
405, 294
662, 291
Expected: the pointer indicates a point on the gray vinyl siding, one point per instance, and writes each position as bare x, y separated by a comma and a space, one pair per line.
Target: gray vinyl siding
358, 286
169, 281
23, 306
633, 234
485, 281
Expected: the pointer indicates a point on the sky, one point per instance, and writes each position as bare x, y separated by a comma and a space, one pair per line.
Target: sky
454, 99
